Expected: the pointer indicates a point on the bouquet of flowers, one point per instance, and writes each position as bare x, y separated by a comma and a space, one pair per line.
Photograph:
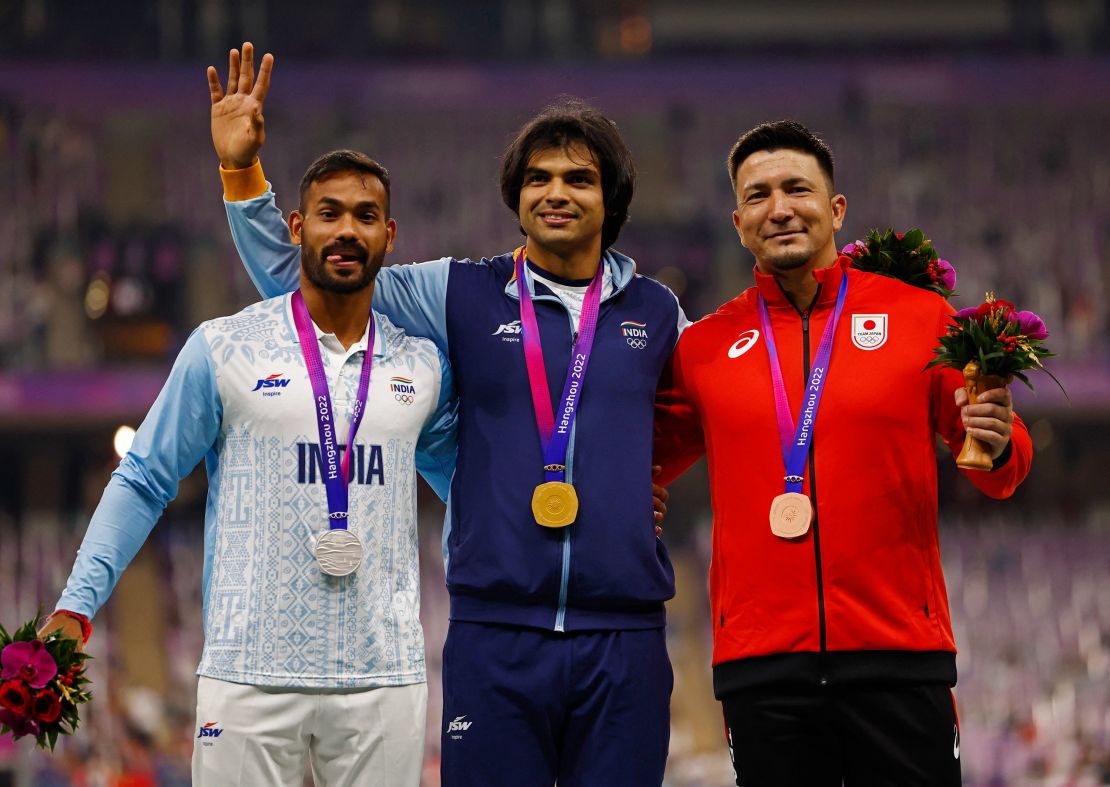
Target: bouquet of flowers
908, 257
42, 681
991, 343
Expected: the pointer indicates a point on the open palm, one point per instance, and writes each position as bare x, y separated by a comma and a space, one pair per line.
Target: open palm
238, 128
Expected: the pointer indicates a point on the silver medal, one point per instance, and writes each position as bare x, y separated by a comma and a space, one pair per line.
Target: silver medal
338, 552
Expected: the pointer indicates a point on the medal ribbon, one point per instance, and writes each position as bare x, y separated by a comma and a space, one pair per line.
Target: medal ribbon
335, 471
795, 440
554, 438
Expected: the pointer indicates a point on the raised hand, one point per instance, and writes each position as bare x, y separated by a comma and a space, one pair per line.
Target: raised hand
238, 128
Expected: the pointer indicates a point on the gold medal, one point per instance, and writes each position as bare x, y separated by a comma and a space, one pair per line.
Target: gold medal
555, 504
791, 513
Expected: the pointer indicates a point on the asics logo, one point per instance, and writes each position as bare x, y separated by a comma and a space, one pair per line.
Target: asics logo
743, 344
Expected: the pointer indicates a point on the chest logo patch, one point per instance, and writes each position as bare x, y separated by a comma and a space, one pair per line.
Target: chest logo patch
272, 383
404, 390
869, 331
635, 334
509, 331
746, 341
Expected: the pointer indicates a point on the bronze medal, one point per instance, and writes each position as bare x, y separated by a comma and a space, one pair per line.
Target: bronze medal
555, 504
791, 513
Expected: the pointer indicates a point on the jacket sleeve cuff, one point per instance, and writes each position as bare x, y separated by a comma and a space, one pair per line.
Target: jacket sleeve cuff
1003, 457
241, 184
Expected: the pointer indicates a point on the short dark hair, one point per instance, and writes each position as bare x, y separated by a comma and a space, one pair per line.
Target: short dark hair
777, 135
344, 161
560, 125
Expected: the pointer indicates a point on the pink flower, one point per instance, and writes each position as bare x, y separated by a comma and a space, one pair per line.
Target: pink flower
1030, 324
850, 250
28, 661
21, 725
971, 312
46, 707
15, 698
947, 274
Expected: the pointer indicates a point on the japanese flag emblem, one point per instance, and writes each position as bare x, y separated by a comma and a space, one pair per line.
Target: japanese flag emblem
869, 331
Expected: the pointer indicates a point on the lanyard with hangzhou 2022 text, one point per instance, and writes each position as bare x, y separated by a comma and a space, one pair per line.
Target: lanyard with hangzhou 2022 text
792, 511
555, 503
338, 551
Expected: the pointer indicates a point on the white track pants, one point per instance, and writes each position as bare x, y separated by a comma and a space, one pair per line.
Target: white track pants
258, 735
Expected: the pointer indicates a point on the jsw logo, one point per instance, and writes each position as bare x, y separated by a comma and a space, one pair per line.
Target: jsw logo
458, 725
508, 327
209, 730
271, 382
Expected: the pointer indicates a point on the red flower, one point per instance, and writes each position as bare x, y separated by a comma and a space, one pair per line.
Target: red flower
15, 697
47, 707
989, 307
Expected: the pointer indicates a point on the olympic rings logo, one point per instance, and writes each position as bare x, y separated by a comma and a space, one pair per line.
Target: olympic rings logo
404, 398
636, 344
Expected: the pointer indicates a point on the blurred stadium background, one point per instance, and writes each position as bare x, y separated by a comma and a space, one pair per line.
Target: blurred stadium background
986, 123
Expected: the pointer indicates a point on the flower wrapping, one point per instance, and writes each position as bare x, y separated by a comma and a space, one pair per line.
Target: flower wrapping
42, 683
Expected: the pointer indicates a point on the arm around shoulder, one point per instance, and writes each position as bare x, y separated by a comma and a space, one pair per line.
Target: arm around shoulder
414, 298
259, 231
678, 437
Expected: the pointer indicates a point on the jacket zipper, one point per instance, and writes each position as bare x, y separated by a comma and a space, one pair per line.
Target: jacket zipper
813, 494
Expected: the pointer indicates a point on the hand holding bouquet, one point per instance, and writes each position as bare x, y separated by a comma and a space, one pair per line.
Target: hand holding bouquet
42, 681
991, 344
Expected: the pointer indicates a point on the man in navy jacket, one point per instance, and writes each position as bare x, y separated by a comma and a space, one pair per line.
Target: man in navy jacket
555, 666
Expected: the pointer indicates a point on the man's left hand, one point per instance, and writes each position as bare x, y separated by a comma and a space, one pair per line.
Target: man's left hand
991, 420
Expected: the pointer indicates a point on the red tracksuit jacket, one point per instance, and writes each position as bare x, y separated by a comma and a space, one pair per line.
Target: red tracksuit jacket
861, 596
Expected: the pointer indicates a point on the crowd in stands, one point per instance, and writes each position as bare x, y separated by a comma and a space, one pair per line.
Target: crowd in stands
114, 224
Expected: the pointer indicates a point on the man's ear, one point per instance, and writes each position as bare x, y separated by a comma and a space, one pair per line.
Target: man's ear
840, 210
736, 224
390, 234
296, 222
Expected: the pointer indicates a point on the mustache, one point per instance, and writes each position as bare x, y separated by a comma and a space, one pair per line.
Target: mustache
349, 248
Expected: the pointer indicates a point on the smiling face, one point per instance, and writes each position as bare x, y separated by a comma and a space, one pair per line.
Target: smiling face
344, 231
785, 212
562, 206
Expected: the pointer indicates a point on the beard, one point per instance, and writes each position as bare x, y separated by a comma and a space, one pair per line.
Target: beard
790, 259
345, 282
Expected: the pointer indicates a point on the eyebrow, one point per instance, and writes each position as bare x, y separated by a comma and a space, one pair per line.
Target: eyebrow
332, 202
567, 173
786, 183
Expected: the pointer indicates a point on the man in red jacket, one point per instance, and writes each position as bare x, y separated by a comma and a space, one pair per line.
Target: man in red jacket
833, 649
